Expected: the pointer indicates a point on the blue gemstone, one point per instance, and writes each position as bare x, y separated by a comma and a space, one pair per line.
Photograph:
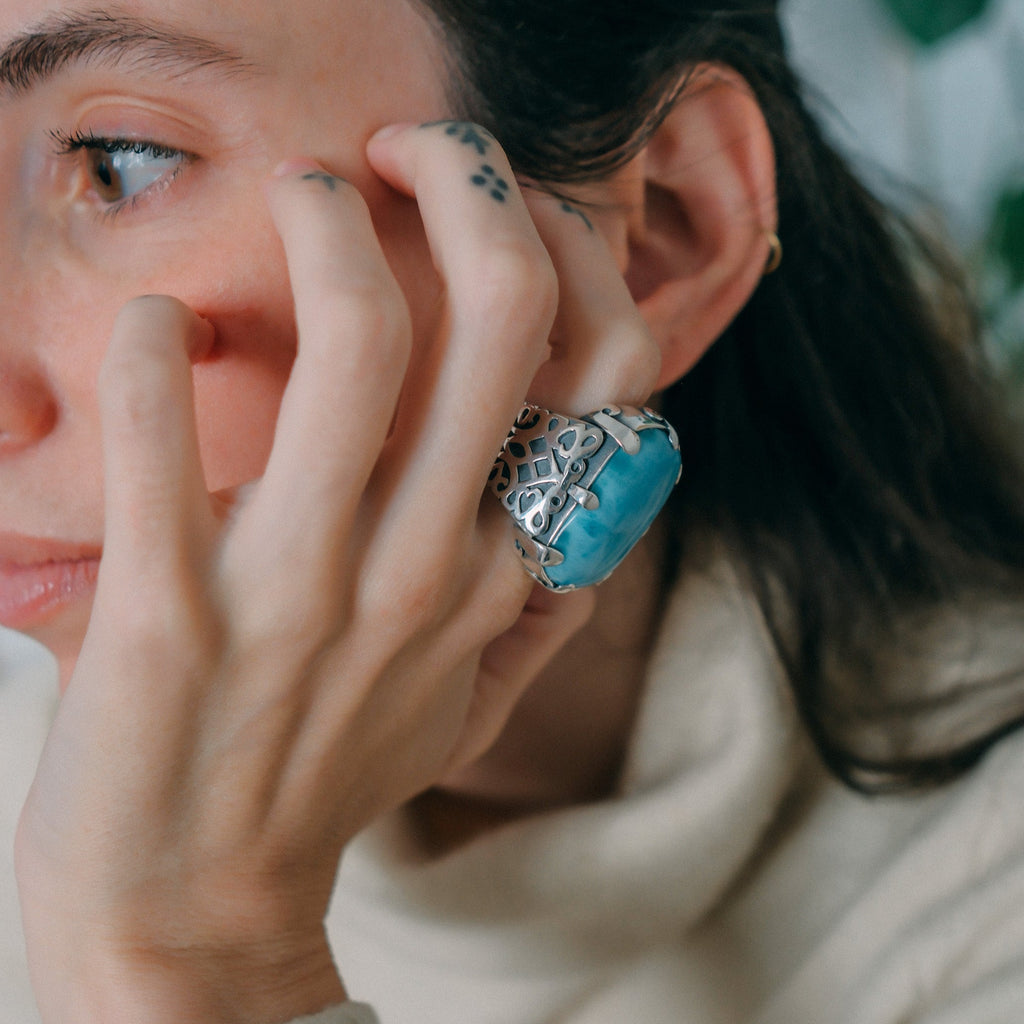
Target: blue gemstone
631, 490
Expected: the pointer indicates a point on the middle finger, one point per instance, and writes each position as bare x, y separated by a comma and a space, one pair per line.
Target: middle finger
500, 293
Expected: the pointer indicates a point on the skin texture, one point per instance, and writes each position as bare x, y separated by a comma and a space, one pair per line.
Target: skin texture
245, 388
186, 241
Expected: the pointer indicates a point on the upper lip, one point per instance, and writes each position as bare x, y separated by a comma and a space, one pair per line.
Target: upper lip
23, 552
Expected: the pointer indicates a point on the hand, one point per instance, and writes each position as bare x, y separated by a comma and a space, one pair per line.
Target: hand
265, 675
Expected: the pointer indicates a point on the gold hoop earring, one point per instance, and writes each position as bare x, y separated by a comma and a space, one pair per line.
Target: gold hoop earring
775, 255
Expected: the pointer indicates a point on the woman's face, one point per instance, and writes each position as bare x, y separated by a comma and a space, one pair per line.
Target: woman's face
135, 141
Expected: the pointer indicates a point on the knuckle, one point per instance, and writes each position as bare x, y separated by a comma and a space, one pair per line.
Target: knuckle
505, 606
516, 279
269, 630
638, 368
368, 310
413, 606
298, 605
420, 602
623, 368
178, 630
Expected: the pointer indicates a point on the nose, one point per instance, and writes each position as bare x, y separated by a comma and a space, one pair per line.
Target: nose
28, 406
28, 409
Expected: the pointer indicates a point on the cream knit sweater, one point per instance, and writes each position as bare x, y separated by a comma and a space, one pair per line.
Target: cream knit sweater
730, 882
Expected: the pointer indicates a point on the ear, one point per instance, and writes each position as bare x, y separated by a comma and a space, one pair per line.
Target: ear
701, 245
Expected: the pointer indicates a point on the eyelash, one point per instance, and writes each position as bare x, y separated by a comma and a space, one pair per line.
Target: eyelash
69, 144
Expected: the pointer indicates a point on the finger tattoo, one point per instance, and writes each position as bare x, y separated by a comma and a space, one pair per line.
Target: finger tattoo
467, 133
487, 178
329, 181
576, 211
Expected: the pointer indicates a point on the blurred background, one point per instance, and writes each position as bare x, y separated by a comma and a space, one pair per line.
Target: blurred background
930, 94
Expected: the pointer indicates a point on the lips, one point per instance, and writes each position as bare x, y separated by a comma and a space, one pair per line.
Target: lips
40, 577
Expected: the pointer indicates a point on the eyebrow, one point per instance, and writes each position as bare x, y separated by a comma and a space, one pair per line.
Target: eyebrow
105, 39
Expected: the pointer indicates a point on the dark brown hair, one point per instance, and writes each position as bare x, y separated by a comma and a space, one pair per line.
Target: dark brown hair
844, 437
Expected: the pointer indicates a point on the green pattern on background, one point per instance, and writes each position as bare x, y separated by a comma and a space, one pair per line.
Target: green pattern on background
928, 21
1006, 237
1002, 283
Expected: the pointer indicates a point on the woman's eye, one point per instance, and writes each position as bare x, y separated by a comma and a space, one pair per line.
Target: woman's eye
120, 175
119, 170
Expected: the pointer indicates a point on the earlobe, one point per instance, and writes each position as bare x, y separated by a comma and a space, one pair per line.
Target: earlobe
699, 251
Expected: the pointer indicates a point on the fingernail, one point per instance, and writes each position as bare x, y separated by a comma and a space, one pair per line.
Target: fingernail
297, 165
390, 130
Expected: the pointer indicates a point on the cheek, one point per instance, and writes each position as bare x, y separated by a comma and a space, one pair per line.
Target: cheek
239, 282
239, 385
238, 393
239, 390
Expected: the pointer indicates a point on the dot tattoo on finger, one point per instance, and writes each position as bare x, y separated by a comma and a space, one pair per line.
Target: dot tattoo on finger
487, 178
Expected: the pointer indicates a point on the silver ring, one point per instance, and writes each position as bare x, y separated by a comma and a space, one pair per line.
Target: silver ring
582, 491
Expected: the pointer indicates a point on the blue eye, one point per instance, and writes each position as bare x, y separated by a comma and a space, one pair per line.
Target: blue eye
118, 170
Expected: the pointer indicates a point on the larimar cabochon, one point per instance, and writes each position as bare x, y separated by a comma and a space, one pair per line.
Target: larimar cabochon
584, 491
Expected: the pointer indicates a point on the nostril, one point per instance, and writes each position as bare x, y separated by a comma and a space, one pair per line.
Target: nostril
28, 411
